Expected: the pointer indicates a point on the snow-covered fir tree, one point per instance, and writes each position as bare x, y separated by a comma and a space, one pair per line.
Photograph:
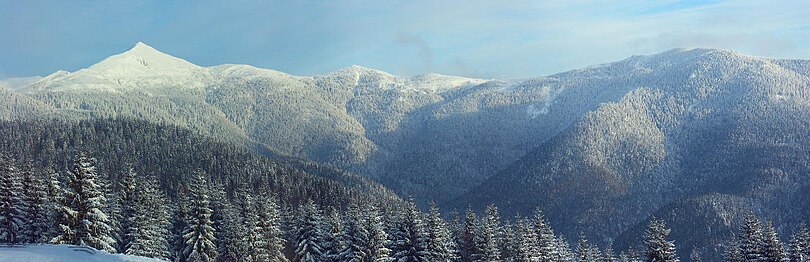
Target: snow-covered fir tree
545, 244
585, 251
751, 240
269, 245
148, 234
181, 214
310, 238
219, 207
773, 251
732, 252
468, 249
199, 235
82, 220
657, 247
440, 245
55, 199
126, 214
488, 241
12, 221
800, 244
378, 240
508, 244
355, 236
35, 197
409, 238
525, 241
564, 252
333, 236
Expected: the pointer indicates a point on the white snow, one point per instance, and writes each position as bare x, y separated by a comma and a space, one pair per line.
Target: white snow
141, 67
62, 253
18, 82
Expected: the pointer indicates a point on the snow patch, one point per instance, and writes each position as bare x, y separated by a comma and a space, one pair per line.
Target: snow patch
62, 253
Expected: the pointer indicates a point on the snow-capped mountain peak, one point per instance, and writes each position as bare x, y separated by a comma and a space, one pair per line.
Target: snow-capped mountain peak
142, 59
141, 67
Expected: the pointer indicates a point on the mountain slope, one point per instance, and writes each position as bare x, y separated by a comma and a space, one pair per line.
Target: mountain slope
703, 122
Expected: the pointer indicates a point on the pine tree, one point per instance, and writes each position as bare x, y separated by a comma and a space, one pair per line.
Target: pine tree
467, 246
126, 201
607, 254
564, 252
149, 234
199, 235
269, 244
36, 207
379, 238
585, 251
12, 221
54, 200
219, 207
544, 243
410, 238
333, 237
488, 240
773, 251
751, 241
440, 245
733, 252
355, 237
800, 244
508, 241
658, 248
181, 215
82, 220
525, 241
310, 238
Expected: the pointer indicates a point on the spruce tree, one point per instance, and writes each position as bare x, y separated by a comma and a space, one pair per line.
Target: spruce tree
467, 245
36, 207
126, 198
12, 221
379, 238
199, 235
489, 239
751, 240
149, 230
333, 236
773, 251
440, 245
410, 238
525, 241
181, 215
545, 240
732, 252
82, 220
658, 248
310, 237
564, 252
800, 244
355, 236
54, 199
269, 245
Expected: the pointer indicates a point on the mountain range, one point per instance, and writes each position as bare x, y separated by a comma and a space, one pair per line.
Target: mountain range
702, 132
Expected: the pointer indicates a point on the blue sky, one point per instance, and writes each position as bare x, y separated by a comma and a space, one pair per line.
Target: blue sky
490, 39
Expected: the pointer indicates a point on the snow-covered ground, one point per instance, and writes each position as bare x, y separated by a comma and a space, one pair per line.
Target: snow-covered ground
62, 253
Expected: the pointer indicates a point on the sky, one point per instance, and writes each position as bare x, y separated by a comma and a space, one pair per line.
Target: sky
485, 39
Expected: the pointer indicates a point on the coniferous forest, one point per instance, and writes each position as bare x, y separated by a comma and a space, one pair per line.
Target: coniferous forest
132, 187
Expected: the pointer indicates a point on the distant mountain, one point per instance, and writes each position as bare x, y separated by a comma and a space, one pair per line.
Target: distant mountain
599, 149
686, 125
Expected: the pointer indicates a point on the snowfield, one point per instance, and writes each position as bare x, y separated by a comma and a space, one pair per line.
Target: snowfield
62, 253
